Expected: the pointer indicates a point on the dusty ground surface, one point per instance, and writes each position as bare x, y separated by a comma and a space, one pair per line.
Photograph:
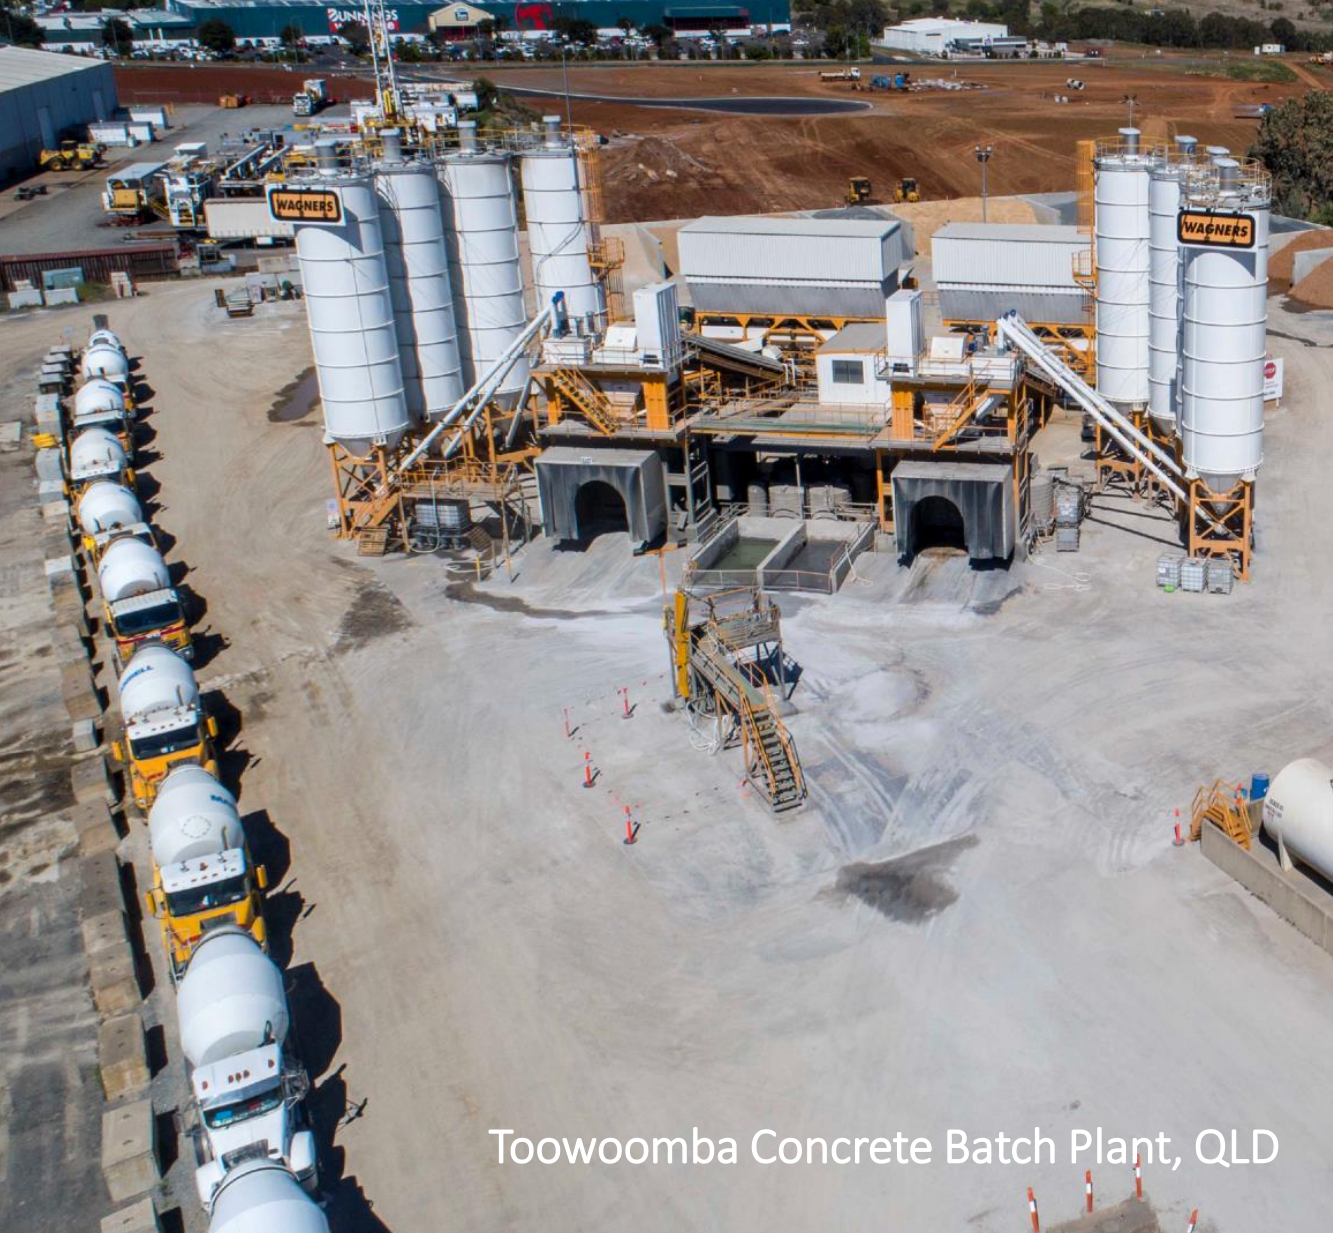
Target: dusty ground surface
977, 922
667, 163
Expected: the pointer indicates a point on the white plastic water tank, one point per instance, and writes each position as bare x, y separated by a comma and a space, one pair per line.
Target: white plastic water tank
558, 231
483, 260
105, 506
98, 395
262, 1196
230, 999
1164, 303
155, 679
350, 311
1120, 236
130, 567
193, 815
1224, 332
412, 216
1298, 812
104, 360
96, 451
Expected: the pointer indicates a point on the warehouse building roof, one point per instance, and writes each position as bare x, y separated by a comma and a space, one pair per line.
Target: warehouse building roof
22, 66
1005, 232
750, 224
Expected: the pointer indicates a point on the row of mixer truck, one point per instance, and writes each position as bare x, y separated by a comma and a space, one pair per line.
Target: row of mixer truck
255, 1155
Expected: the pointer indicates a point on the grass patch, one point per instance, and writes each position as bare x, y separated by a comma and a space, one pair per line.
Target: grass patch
1260, 69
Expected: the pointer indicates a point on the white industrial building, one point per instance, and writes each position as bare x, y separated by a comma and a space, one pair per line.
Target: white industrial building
936, 36
44, 96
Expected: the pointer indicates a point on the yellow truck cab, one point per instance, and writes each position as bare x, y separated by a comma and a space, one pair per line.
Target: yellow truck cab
192, 897
165, 725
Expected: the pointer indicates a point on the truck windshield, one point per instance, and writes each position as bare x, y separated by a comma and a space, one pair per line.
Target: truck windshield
159, 743
243, 1110
195, 899
140, 621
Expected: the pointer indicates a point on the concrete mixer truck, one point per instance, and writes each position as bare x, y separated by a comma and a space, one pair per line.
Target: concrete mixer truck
99, 404
203, 876
260, 1196
138, 601
96, 454
248, 1093
165, 725
108, 511
105, 357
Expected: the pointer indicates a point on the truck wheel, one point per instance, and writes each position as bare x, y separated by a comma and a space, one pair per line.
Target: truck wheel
57, 164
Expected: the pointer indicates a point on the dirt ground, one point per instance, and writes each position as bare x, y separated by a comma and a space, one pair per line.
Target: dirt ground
977, 922
667, 163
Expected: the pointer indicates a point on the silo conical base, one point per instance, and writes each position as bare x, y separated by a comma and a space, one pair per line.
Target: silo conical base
1221, 524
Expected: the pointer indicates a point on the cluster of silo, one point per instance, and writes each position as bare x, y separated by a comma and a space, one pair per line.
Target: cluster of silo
1181, 314
414, 287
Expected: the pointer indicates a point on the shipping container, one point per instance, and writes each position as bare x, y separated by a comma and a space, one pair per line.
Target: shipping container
242, 218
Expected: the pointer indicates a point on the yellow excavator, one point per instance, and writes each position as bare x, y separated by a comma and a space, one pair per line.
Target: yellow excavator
907, 190
72, 156
858, 190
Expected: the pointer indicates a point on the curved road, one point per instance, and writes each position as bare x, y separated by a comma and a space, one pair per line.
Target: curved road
740, 105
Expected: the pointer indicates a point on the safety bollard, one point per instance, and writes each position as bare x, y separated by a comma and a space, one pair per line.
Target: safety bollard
626, 713
587, 768
631, 831
1138, 1178
1032, 1211
1178, 842
1194, 1219
1087, 1186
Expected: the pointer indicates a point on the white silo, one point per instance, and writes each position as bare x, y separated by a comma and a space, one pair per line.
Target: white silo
483, 256
558, 230
1120, 236
350, 310
1164, 284
1224, 333
412, 216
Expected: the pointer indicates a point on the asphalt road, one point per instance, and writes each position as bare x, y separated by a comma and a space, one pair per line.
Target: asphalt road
748, 105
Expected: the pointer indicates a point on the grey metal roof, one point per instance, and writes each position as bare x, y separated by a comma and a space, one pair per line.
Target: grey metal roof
751, 224
22, 66
859, 337
1000, 232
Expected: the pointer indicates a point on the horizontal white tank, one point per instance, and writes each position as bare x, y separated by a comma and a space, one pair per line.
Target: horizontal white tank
230, 999
1120, 239
350, 312
130, 567
105, 338
155, 679
96, 451
1164, 303
98, 395
1298, 813
558, 231
1224, 333
193, 815
106, 506
262, 1196
105, 361
412, 215
483, 260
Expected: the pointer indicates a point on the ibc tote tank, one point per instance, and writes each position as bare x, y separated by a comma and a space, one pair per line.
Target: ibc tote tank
261, 1196
230, 1000
558, 232
412, 216
350, 311
107, 506
1120, 238
483, 257
1298, 812
1224, 337
98, 395
130, 567
193, 815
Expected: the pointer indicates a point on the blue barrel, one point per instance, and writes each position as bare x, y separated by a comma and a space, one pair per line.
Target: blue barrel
1258, 787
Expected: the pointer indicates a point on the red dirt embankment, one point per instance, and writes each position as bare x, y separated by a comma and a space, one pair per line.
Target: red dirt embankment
206, 83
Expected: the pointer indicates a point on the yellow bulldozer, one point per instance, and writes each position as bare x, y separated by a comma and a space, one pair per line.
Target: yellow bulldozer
907, 190
858, 190
72, 156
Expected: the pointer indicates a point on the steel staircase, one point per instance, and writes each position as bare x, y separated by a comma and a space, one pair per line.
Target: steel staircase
587, 398
1224, 807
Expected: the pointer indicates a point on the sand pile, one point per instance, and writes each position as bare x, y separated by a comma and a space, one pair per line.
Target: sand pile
1316, 288
927, 217
1281, 264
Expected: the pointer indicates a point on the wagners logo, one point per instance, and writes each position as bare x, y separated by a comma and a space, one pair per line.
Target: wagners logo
305, 205
1205, 229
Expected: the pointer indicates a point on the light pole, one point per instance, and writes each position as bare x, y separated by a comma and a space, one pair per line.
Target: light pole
983, 154
564, 68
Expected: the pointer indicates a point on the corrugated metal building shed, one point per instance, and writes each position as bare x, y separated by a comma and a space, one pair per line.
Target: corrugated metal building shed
42, 96
983, 270
811, 267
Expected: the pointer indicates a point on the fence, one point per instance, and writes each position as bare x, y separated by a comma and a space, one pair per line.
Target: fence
139, 261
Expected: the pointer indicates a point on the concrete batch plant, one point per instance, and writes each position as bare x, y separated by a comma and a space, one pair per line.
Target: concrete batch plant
799, 380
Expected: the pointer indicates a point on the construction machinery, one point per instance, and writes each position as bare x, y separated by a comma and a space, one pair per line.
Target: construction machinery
311, 98
858, 190
165, 724
907, 190
726, 654
847, 74
203, 875
139, 603
72, 155
248, 1089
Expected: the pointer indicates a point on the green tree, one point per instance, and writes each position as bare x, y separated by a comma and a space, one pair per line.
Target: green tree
117, 36
291, 36
20, 29
657, 32
356, 36
216, 36
1295, 143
